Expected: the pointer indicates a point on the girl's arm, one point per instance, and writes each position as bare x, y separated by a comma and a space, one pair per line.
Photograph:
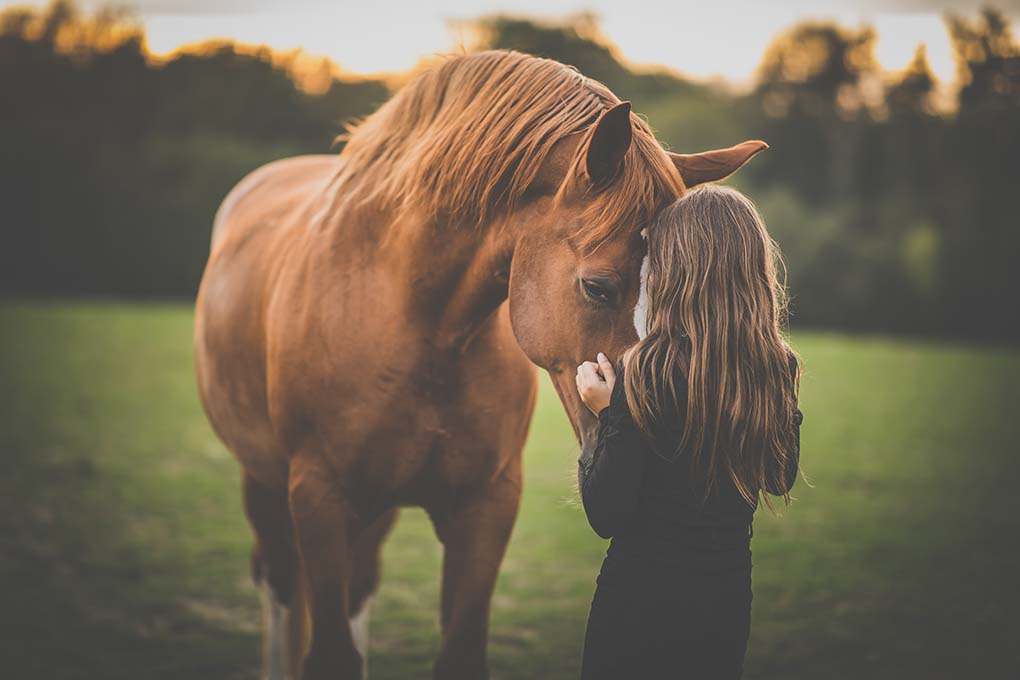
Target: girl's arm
611, 479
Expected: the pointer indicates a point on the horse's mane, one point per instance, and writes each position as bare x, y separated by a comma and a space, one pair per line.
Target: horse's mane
466, 138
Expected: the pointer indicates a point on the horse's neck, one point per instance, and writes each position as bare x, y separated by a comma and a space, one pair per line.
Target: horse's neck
455, 277
481, 287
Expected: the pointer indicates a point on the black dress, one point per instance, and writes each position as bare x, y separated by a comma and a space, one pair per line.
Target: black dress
674, 594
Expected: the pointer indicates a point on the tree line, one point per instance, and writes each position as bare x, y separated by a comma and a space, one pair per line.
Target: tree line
895, 210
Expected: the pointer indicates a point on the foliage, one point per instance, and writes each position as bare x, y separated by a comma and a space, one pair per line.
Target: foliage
895, 212
114, 163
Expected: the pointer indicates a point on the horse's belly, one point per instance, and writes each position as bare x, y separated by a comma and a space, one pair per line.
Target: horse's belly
230, 366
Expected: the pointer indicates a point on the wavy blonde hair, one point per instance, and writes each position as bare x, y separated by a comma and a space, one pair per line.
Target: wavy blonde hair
714, 357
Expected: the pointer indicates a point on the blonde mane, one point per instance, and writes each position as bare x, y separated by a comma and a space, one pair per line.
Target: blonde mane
467, 137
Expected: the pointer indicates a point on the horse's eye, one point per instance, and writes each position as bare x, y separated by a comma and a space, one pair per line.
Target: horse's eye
597, 291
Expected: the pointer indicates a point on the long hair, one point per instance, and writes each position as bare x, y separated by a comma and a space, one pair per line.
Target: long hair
466, 138
714, 357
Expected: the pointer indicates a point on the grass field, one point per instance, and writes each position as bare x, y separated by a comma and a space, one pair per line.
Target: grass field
124, 552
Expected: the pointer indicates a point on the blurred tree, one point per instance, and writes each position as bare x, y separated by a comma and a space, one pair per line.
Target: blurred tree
815, 90
900, 179
911, 93
977, 272
113, 162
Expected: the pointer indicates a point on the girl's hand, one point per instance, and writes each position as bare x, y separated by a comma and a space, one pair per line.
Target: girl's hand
595, 383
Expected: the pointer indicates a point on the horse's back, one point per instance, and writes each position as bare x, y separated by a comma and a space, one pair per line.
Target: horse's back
249, 237
275, 186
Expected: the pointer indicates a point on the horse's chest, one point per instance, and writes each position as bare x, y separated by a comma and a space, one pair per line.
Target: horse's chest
437, 454
403, 425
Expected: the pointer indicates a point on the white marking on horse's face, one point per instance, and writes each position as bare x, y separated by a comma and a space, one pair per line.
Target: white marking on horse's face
641, 308
359, 631
275, 620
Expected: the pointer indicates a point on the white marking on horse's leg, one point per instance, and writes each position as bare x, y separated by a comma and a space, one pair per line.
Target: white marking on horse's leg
359, 631
275, 616
641, 308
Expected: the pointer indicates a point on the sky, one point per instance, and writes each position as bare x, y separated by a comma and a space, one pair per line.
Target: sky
700, 38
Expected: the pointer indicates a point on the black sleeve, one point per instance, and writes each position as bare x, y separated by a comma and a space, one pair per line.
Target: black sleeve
611, 479
781, 481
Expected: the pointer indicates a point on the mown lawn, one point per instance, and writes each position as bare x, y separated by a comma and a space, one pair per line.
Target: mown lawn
124, 552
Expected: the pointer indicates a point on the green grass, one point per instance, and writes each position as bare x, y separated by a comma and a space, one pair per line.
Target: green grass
124, 551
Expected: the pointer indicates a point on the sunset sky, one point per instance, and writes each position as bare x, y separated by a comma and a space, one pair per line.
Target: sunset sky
701, 39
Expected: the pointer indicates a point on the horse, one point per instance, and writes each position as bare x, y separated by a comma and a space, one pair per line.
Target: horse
369, 324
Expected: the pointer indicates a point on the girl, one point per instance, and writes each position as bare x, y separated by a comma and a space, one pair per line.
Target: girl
699, 420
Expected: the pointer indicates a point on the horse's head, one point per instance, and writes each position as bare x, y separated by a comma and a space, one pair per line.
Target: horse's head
576, 272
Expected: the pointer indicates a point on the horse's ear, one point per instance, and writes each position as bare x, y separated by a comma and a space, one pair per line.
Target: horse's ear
711, 166
608, 144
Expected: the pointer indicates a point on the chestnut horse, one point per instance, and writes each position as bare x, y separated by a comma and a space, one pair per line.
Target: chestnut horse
368, 325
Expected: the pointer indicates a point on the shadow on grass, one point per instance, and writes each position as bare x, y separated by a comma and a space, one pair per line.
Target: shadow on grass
73, 606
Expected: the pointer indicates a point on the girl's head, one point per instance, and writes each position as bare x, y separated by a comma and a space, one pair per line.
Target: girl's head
715, 311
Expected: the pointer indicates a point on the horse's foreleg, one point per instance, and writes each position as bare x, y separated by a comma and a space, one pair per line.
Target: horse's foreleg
274, 568
324, 525
474, 536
